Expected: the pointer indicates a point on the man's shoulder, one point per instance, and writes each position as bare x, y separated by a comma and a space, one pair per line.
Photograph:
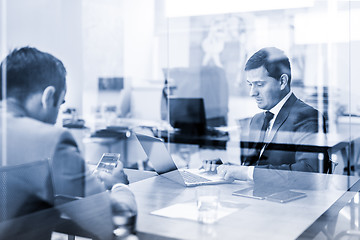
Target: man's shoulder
30, 126
259, 114
37, 140
303, 108
257, 117
302, 114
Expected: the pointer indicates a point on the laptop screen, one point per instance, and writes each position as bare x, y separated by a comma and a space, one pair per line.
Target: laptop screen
188, 115
157, 153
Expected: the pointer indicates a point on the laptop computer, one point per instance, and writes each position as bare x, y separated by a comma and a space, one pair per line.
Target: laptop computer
165, 166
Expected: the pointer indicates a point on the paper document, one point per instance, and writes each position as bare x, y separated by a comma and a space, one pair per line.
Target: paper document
189, 210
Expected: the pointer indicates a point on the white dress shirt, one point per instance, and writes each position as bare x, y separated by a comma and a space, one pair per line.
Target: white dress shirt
275, 110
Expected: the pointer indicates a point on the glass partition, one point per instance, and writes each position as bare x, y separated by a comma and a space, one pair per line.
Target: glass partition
175, 70
126, 65
208, 48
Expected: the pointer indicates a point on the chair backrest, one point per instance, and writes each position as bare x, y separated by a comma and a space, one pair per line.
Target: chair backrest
207, 82
89, 217
38, 225
26, 201
351, 160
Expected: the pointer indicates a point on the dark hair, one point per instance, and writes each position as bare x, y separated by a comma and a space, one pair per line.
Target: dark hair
30, 71
273, 59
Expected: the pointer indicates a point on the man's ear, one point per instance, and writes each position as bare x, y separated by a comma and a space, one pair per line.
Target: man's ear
284, 81
47, 98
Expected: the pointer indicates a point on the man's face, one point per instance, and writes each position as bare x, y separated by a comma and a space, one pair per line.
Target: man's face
265, 89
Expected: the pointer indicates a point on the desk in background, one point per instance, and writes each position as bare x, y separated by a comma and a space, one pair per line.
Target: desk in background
105, 141
259, 219
212, 141
209, 146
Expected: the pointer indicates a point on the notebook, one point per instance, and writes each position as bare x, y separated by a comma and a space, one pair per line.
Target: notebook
165, 166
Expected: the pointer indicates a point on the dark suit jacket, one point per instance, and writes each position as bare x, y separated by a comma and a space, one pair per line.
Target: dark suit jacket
295, 129
28, 141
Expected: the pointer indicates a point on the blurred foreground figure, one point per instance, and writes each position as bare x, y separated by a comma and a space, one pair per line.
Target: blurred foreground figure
35, 88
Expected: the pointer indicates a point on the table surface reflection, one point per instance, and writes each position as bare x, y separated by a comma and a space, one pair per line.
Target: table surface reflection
255, 219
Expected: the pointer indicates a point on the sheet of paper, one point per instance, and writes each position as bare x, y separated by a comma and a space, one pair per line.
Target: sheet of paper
189, 211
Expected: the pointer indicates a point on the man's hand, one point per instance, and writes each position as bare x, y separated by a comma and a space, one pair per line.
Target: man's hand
211, 165
117, 176
231, 172
123, 201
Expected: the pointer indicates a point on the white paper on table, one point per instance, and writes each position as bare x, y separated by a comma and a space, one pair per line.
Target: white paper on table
189, 211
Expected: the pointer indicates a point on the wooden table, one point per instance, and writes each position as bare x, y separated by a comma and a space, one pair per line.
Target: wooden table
254, 219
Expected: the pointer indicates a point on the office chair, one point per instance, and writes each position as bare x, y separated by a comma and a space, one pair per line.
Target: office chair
351, 167
331, 219
26, 201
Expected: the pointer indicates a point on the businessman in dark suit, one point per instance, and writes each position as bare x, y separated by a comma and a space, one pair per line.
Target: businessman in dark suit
35, 90
276, 136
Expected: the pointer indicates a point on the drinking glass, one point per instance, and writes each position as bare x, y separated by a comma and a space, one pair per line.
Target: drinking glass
207, 199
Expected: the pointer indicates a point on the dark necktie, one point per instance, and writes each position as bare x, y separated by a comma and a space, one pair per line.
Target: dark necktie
254, 159
267, 119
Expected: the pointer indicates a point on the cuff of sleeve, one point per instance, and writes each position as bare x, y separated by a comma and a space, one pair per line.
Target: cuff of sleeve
251, 173
119, 185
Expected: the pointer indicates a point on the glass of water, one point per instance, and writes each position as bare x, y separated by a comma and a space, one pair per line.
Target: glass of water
125, 224
207, 199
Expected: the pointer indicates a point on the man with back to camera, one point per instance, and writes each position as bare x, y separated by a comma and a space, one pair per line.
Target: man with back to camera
286, 120
35, 89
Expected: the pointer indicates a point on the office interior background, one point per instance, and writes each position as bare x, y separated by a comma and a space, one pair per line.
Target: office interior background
123, 60
126, 58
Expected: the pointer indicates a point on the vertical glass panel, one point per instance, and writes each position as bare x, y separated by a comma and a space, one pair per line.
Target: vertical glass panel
106, 89
208, 48
3, 34
209, 44
175, 69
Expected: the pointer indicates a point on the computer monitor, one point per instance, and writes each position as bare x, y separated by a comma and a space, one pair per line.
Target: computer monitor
110, 83
188, 115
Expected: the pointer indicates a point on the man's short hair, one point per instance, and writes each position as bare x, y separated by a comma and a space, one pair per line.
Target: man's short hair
274, 61
30, 71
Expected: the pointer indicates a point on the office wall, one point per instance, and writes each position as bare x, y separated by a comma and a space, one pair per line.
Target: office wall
141, 58
53, 26
118, 38
138, 38
103, 52
119, 41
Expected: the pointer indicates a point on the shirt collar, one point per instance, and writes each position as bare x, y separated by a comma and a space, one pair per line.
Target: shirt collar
276, 109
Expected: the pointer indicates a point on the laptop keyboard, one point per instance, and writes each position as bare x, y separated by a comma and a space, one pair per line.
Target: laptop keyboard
192, 178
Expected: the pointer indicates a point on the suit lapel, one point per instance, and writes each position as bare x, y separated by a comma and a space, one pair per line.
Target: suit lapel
258, 122
251, 147
282, 116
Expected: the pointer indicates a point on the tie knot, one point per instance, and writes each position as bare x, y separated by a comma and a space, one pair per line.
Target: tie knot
268, 115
